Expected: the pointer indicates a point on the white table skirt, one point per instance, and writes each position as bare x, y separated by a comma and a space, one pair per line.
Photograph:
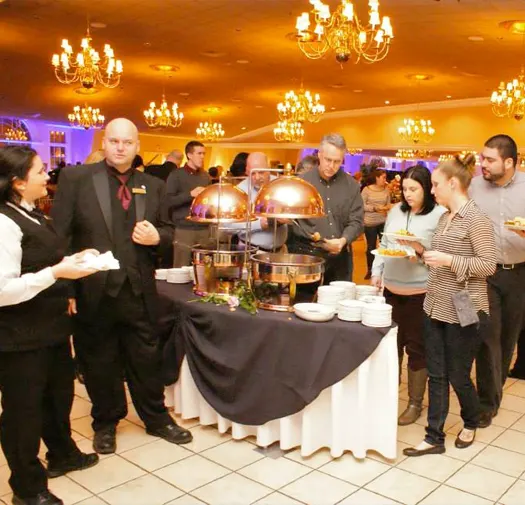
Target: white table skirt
357, 414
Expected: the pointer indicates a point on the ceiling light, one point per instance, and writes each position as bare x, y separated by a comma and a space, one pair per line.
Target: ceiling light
184, 93
210, 132
243, 127
416, 130
86, 117
212, 109
449, 96
259, 106
387, 102
420, 77
213, 54
476, 38
514, 26
87, 91
96, 24
243, 62
357, 90
236, 100
164, 67
337, 85
509, 98
163, 116
332, 108
288, 131
300, 107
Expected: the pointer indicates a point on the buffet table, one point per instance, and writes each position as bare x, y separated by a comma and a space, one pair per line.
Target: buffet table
279, 378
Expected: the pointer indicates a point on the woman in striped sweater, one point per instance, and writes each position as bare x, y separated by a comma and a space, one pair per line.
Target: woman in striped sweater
462, 257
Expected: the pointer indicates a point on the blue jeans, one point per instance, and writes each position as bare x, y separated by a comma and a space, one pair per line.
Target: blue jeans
450, 351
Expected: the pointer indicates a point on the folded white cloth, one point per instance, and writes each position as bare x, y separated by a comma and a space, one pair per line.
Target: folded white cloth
105, 261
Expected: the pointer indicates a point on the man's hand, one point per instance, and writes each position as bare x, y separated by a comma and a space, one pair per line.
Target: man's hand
521, 233
437, 259
197, 191
334, 245
72, 306
145, 233
376, 281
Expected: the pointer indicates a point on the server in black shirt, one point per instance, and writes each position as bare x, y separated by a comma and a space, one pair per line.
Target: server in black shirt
331, 236
36, 367
110, 206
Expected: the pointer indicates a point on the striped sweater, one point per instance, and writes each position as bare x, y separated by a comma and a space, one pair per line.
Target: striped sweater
371, 200
470, 241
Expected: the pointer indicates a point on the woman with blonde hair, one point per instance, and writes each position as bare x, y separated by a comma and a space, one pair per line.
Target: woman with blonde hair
462, 256
94, 157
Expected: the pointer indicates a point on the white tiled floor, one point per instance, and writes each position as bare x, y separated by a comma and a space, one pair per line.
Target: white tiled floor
217, 470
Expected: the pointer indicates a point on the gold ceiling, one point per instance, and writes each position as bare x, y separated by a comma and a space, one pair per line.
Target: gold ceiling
241, 56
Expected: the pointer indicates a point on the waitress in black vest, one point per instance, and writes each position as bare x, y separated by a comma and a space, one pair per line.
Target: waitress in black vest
36, 368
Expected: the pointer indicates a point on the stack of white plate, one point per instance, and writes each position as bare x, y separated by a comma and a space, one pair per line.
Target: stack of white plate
190, 271
178, 276
313, 312
349, 287
365, 290
161, 274
330, 295
350, 310
377, 315
372, 299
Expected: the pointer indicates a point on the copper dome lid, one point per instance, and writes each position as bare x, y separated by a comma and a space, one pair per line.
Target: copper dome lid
219, 203
288, 197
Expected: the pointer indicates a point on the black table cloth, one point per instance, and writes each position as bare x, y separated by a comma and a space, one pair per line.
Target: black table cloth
255, 368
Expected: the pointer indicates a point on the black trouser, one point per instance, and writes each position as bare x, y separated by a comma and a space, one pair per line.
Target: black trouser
121, 335
519, 364
506, 290
450, 351
37, 394
373, 235
407, 312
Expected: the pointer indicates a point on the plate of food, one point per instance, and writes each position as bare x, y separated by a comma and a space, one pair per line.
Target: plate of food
390, 253
403, 235
518, 223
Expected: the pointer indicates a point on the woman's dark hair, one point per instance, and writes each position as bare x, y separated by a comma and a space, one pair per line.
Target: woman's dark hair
238, 168
137, 161
15, 163
374, 175
213, 172
420, 174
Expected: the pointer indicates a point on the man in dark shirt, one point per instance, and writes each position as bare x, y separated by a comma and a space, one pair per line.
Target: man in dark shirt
110, 206
331, 236
173, 161
182, 187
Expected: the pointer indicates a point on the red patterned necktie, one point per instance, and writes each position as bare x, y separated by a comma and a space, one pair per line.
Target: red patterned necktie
123, 193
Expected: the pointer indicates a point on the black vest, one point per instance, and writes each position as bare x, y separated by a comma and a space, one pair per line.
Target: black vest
43, 320
124, 248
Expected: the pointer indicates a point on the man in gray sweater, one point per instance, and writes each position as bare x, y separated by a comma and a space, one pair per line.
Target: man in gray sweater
182, 186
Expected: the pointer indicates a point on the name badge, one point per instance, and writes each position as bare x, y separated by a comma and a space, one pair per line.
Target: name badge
139, 191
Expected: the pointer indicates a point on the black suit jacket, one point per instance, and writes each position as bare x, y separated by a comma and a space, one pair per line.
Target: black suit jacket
161, 171
82, 214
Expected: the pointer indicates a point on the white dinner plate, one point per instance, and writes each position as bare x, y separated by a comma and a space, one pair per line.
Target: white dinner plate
397, 236
375, 252
314, 312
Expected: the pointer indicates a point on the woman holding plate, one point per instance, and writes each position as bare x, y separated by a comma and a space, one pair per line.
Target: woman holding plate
404, 280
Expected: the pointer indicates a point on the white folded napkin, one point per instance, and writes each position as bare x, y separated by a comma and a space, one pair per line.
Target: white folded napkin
105, 261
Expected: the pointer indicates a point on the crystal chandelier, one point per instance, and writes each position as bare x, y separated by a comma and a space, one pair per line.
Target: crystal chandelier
300, 107
289, 131
343, 33
416, 130
509, 98
163, 116
410, 154
87, 67
210, 132
354, 151
86, 117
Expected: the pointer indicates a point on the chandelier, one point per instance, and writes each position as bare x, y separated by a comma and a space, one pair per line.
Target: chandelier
410, 154
416, 130
509, 98
163, 116
87, 67
354, 151
289, 131
210, 132
16, 133
300, 107
343, 33
86, 117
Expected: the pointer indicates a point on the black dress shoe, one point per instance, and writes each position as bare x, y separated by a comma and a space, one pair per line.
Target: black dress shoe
433, 449
485, 419
463, 444
172, 433
43, 498
105, 441
77, 462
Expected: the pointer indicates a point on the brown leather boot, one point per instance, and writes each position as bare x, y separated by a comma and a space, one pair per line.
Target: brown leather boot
417, 383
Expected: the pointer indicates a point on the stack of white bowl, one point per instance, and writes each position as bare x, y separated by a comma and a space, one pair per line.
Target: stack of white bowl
373, 299
330, 295
377, 315
365, 290
348, 286
350, 310
178, 276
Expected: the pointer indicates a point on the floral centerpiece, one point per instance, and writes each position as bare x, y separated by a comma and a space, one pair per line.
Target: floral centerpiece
241, 296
